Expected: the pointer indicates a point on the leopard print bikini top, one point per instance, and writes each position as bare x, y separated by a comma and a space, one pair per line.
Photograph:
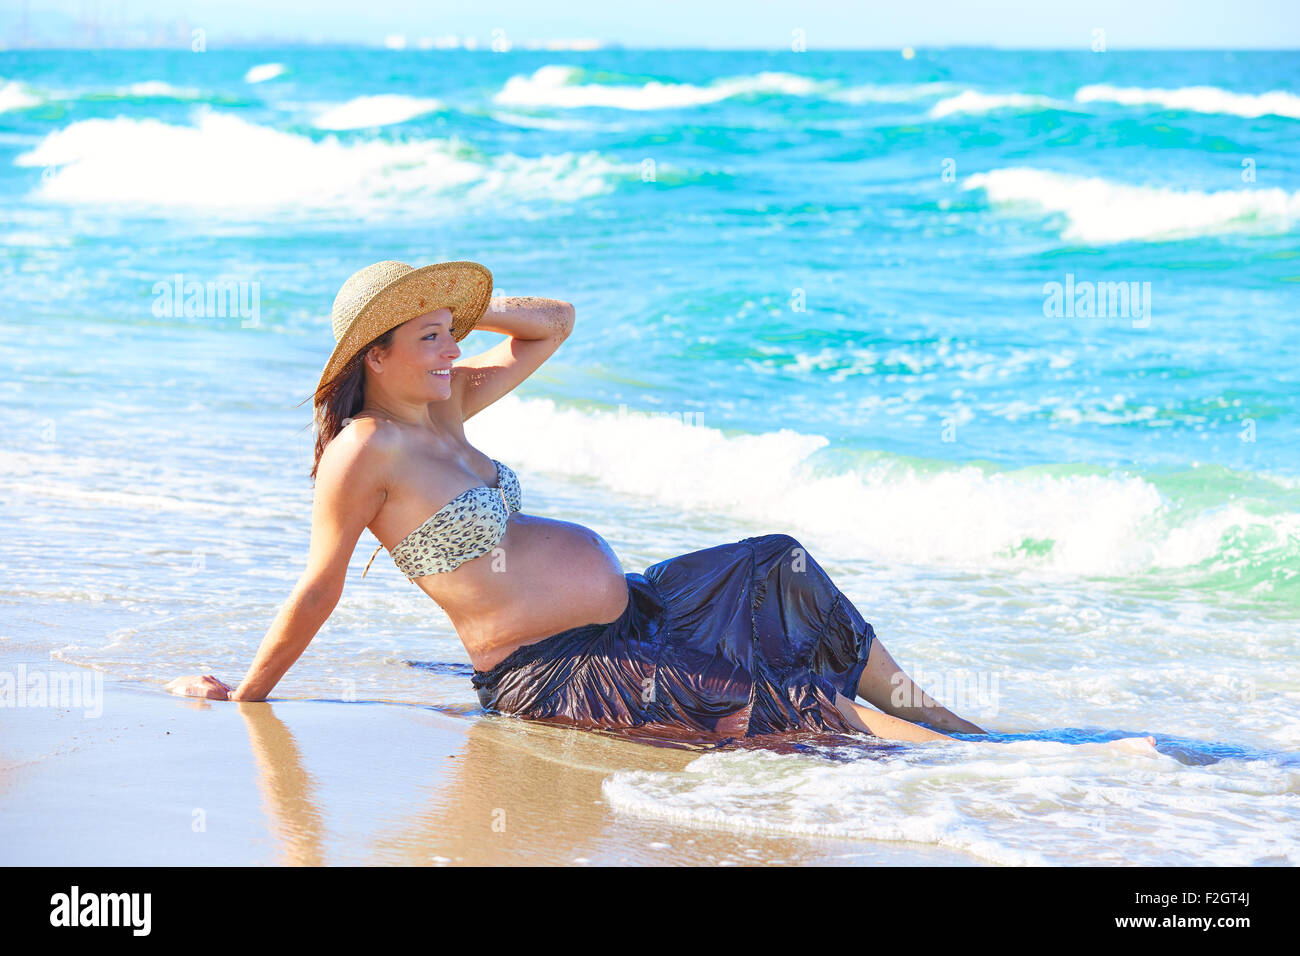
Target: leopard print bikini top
466, 527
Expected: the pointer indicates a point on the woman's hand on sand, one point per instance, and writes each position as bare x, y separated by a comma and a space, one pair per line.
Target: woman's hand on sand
199, 686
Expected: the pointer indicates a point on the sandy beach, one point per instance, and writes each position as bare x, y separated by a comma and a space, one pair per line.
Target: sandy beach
153, 779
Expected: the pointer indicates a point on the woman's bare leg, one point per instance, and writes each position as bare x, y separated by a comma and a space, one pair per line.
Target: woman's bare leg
883, 684
896, 728
882, 725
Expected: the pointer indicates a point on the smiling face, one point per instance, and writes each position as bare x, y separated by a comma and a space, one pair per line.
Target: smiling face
417, 364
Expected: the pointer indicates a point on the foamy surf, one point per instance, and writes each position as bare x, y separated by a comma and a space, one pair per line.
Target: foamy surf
263, 72
1077, 521
158, 89
560, 86
17, 96
892, 93
226, 164
1026, 803
1197, 99
383, 110
974, 102
1098, 210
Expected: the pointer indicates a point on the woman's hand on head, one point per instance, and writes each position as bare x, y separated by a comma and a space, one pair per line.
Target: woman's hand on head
199, 686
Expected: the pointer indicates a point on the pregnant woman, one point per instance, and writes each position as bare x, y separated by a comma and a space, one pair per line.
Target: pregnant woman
738, 640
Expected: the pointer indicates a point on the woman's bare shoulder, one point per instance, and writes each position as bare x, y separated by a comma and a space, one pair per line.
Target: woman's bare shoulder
364, 443
408, 458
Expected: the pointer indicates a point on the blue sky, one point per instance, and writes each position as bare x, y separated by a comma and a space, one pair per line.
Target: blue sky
762, 24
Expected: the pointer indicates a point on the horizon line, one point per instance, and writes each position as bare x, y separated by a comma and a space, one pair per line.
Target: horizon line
603, 46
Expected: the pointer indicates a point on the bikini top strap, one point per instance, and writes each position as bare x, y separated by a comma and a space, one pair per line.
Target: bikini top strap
372, 558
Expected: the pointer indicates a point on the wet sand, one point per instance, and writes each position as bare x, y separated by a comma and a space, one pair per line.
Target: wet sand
130, 775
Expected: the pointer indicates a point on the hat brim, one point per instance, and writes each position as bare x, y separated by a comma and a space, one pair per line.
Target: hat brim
463, 287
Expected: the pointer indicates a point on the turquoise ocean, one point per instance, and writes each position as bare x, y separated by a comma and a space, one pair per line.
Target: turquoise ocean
1008, 340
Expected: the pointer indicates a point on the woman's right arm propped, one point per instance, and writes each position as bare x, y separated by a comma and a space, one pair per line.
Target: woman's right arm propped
351, 485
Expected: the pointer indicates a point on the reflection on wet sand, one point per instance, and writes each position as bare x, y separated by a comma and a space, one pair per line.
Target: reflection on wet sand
286, 787
509, 792
494, 802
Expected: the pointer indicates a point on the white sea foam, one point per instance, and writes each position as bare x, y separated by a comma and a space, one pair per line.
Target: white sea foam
1022, 803
83, 482
955, 517
554, 86
1101, 211
971, 364
891, 93
1196, 99
17, 96
160, 90
263, 72
972, 101
225, 163
381, 110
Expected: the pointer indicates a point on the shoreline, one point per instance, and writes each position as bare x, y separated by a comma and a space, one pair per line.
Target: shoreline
136, 776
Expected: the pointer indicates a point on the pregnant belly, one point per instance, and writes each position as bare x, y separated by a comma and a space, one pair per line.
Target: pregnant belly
544, 577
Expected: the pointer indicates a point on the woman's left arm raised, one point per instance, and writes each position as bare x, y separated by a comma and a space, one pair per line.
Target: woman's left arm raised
536, 328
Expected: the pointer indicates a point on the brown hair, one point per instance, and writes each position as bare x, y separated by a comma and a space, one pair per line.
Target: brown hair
342, 397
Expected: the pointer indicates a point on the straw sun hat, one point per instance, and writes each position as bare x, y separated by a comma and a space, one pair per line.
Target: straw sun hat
384, 295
